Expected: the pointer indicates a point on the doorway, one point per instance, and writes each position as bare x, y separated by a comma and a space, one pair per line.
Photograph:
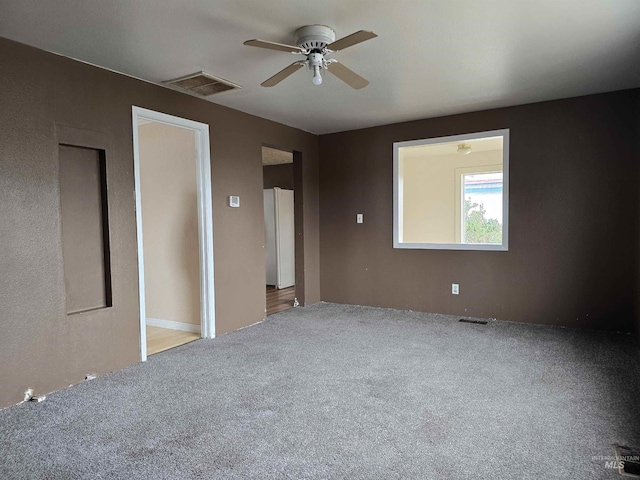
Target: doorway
280, 229
174, 230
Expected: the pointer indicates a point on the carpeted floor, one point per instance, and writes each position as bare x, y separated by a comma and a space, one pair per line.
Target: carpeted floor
333, 391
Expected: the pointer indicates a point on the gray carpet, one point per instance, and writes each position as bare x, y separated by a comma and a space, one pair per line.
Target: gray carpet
334, 391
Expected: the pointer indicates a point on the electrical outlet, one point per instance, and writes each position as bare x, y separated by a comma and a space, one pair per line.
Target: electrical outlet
359, 218
455, 289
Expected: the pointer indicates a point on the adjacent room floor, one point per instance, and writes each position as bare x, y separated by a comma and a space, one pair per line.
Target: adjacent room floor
332, 391
279, 300
161, 339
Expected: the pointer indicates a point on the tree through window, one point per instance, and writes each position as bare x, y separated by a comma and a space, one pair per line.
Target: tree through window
482, 203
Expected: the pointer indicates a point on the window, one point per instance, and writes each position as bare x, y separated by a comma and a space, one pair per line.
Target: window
452, 192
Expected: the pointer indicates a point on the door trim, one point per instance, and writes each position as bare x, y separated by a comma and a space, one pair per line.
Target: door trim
205, 220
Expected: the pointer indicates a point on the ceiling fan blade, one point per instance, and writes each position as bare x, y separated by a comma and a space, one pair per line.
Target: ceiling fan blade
350, 40
273, 46
347, 75
281, 75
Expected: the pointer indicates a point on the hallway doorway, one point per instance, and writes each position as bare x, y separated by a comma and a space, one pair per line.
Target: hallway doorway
280, 229
174, 225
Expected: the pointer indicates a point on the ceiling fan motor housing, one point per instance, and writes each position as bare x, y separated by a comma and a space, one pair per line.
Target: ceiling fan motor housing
314, 37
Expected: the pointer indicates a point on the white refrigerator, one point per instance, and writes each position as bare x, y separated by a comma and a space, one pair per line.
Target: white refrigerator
279, 248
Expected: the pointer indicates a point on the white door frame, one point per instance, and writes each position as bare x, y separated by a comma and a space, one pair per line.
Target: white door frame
205, 220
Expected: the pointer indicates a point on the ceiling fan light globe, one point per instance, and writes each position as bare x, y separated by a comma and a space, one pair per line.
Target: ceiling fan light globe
317, 78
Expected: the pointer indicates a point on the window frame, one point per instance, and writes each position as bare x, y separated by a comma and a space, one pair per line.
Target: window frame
460, 173
397, 193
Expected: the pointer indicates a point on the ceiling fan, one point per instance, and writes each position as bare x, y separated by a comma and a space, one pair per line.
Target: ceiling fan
315, 42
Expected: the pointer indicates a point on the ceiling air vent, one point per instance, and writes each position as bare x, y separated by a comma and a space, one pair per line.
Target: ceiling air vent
203, 84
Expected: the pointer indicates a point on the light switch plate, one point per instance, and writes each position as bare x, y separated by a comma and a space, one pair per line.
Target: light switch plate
359, 218
234, 201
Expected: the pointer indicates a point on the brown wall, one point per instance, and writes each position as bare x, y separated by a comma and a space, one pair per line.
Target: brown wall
573, 239
638, 231
42, 95
278, 176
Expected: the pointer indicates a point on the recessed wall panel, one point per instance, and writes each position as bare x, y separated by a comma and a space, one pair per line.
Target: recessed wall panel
85, 239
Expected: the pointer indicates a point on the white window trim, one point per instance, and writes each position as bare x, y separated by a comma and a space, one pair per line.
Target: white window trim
398, 191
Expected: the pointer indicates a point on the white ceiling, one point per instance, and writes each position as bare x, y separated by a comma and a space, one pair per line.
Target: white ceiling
431, 57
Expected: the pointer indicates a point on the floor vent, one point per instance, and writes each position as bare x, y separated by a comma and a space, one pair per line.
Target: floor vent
628, 461
468, 320
203, 84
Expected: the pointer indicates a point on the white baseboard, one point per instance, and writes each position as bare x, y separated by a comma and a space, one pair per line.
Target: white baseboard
170, 324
